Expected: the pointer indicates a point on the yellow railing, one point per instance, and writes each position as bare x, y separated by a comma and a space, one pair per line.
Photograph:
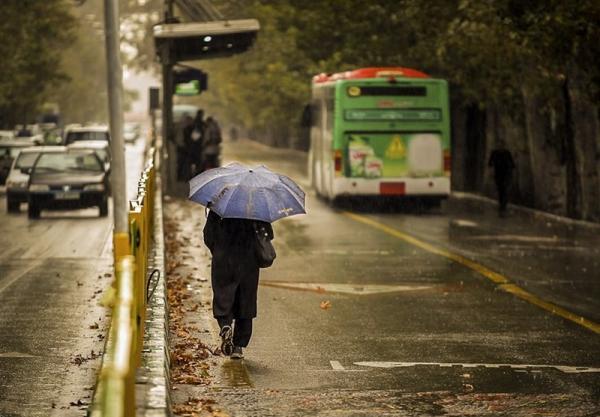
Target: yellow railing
115, 393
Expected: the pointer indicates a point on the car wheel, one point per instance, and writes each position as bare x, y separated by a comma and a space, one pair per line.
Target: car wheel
103, 208
33, 211
13, 206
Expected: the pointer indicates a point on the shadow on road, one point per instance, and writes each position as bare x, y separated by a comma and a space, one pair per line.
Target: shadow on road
400, 205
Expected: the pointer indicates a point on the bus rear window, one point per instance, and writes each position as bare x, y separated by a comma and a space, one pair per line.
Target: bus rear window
406, 91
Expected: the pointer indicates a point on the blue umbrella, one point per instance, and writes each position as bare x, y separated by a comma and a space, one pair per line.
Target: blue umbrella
237, 191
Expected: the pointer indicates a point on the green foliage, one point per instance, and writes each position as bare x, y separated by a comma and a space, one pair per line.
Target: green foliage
137, 19
33, 35
489, 50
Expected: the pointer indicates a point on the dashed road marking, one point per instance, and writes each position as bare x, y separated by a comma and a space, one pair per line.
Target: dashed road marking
336, 366
354, 289
567, 369
503, 282
516, 238
16, 355
464, 223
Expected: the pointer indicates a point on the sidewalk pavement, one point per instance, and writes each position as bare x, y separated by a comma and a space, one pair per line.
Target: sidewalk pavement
196, 362
486, 204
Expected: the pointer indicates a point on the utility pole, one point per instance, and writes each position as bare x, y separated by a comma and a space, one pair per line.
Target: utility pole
170, 167
115, 111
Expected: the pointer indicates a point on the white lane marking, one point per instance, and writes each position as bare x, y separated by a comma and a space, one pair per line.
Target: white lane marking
336, 366
464, 223
517, 238
15, 275
16, 355
563, 368
544, 247
343, 252
355, 289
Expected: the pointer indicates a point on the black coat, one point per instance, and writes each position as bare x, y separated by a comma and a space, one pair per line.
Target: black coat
234, 269
503, 163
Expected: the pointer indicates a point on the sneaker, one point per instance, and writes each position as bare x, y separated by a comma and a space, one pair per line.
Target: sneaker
226, 334
238, 353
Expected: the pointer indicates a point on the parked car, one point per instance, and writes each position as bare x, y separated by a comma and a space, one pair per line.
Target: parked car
82, 133
67, 180
17, 182
9, 150
131, 132
101, 147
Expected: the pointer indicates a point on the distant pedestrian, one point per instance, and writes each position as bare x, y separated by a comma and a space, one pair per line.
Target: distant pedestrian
196, 142
211, 146
182, 139
234, 277
502, 161
233, 133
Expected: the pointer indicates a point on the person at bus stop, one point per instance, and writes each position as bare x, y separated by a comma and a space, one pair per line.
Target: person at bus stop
502, 162
234, 277
211, 147
195, 147
181, 142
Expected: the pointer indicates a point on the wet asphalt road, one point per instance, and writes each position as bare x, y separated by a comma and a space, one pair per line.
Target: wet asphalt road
411, 332
52, 273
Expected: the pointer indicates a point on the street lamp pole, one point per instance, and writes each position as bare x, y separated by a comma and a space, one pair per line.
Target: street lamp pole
115, 111
167, 106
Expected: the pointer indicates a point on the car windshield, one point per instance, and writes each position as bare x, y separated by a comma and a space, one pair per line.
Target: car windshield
79, 136
62, 162
26, 160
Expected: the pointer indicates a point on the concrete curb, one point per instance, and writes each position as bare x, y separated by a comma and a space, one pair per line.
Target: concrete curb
152, 380
537, 214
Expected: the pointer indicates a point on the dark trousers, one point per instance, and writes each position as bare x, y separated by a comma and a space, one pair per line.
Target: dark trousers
183, 164
242, 330
503, 185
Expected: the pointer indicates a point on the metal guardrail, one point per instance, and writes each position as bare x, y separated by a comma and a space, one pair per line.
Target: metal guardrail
115, 393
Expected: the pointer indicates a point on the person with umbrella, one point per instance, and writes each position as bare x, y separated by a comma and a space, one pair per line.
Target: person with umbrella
242, 204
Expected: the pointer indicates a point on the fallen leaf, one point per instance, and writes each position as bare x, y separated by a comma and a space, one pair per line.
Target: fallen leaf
325, 305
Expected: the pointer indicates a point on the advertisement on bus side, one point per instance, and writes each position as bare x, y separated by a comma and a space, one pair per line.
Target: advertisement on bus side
396, 154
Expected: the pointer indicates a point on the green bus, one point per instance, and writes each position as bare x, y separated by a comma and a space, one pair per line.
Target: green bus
379, 131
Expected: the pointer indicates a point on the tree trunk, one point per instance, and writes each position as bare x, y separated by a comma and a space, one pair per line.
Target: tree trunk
584, 116
475, 149
570, 157
547, 173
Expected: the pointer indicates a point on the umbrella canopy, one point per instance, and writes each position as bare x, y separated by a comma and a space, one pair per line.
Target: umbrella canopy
237, 191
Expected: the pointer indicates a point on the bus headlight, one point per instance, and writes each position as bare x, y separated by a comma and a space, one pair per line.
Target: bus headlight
94, 187
39, 187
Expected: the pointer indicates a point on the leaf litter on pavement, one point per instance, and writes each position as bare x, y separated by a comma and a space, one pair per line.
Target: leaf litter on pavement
190, 357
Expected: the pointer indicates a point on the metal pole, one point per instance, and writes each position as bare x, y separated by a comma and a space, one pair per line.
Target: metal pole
167, 107
115, 111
